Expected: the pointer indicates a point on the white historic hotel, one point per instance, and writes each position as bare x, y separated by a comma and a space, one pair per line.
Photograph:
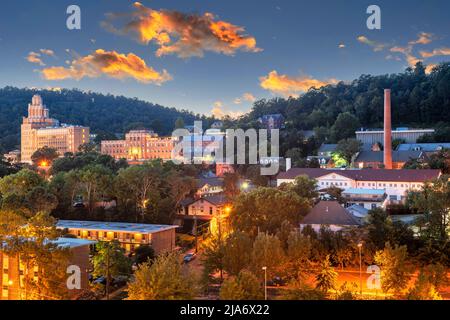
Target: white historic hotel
395, 183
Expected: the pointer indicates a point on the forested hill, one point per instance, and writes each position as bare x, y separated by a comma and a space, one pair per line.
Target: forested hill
418, 100
102, 113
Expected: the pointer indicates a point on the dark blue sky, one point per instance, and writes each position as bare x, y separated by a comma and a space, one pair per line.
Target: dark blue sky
299, 40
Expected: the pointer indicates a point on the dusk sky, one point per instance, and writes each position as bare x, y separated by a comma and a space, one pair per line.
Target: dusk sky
214, 56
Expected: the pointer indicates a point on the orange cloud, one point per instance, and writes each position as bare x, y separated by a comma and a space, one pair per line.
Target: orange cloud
109, 63
288, 86
186, 35
245, 97
407, 52
219, 111
429, 68
47, 52
436, 52
35, 57
423, 38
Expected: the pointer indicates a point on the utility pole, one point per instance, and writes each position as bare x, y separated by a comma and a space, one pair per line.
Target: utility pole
360, 268
196, 233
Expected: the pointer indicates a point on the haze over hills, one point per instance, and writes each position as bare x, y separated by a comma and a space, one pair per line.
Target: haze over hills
418, 99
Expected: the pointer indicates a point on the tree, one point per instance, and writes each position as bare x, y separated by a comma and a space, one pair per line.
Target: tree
394, 270
326, 279
44, 156
237, 252
433, 200
95, 183
267, 252
423, 289
303, 187
110, 261
265, 209
144, 253
347, 148
345, 126
213, 255
245, 286
298, 290
162, 280
179, 123
379, 227
298, 254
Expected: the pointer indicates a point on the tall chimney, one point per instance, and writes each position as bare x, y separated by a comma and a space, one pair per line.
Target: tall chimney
387, 130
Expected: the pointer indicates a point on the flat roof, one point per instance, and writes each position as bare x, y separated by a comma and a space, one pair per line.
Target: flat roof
72, 243
365, 191
113, 226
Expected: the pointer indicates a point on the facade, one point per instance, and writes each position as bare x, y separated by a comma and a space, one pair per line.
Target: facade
209, 186
12, 157
131, 235
38, 130
272, 121
204, 208
374, 159
12, 279
366, 198
409, 135
329, 214
139, 145
222, 169
395, 183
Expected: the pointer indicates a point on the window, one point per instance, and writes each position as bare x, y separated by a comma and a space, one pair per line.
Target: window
393, 198
374, 206
210, 211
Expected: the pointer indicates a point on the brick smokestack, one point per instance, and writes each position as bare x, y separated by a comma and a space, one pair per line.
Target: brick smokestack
387, 130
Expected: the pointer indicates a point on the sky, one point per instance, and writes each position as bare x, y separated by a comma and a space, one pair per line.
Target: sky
214, 57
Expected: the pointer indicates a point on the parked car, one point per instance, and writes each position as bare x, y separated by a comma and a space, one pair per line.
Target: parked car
189, 257
276, 282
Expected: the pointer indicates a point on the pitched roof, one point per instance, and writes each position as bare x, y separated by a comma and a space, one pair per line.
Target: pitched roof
397, 156
327, 147
213, 182
404, 175
218, 199
330, 213
427, 147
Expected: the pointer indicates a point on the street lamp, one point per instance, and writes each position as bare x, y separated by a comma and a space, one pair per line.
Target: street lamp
360, 267
265, 282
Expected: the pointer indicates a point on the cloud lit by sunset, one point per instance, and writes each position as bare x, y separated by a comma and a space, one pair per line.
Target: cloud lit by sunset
185, 35
109, 63
290, 86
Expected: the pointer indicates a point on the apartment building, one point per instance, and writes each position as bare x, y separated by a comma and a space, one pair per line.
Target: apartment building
130, 235
12, 280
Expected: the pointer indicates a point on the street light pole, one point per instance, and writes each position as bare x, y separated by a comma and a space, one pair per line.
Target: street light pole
360, 268
265, 282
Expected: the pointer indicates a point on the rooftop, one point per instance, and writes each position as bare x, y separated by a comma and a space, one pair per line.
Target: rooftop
72, 243
113, 226
377, 192
397, 156
330, 213
404, 175
426, 147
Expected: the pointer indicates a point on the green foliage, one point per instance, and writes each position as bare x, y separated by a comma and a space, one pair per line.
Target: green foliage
245, 286
265, 209
110, 259
237, 252
267, 252
348, 148
304, 187
326, 278
345, 126
394, 269
144, 253
164, 279
423, 289
45, 156
346, 291
298, 290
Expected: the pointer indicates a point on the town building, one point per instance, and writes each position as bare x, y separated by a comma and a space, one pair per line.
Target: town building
395, 183
375, 159
329, 214
223, 168
372, 136
130, 235
139, 145
272, 121
207, 186
12, 157
12, 281
365, 198
204, 208
38, 130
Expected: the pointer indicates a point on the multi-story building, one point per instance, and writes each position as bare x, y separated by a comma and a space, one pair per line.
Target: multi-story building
38, 130
130, 235
395, 183
12, 280
139, 145
406, 134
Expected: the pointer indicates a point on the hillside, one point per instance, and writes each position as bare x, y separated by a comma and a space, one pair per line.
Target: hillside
104, 114
418, 100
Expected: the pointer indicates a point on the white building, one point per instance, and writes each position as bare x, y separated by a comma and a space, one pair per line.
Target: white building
395, 183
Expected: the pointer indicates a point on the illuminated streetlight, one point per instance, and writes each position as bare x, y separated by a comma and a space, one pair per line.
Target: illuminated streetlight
265, 282
245, 186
